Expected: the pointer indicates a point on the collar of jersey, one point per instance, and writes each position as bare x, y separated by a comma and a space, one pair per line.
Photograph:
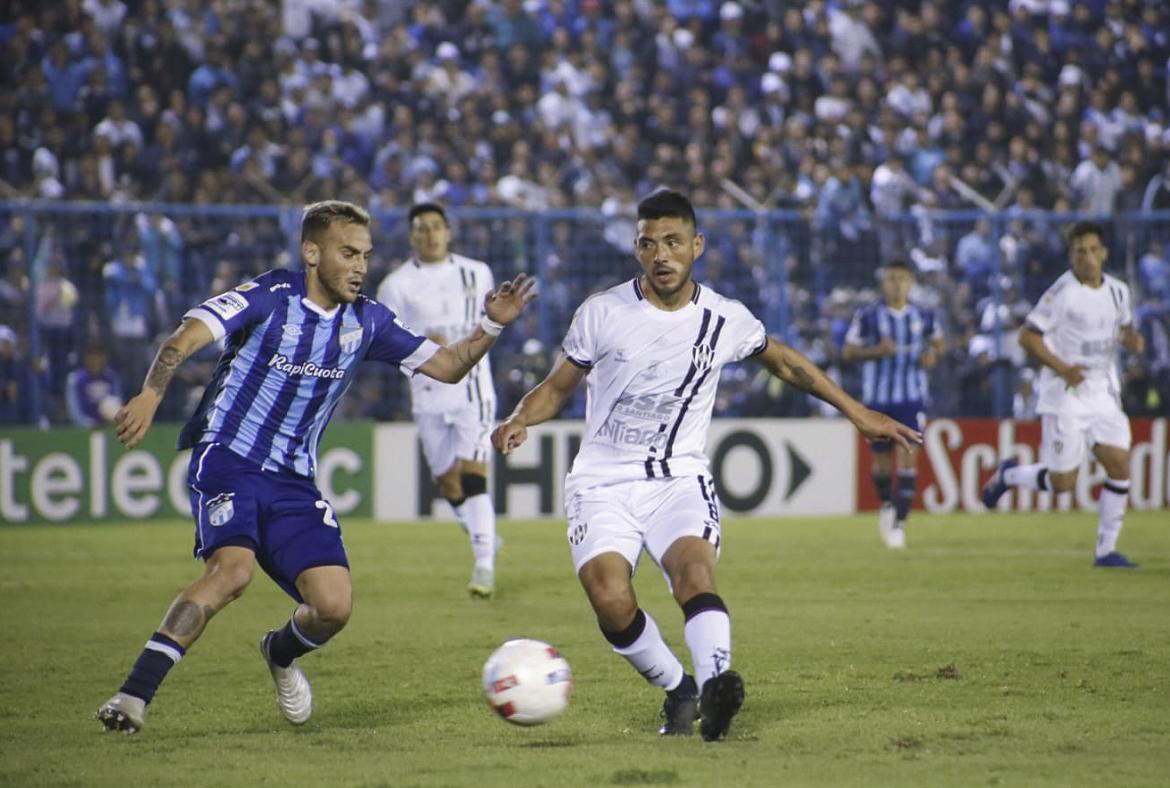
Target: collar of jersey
420, 264
314, 307
644, 302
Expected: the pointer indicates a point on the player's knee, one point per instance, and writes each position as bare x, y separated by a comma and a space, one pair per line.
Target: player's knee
473, 484
1062, 482
694, 577
230, 574
451, 488
332, 610
611, 599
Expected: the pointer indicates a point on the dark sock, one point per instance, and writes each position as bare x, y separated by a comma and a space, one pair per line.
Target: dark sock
904, 497
686, 688
289, 643
627, 636
1042, 479
157, 658
881, 483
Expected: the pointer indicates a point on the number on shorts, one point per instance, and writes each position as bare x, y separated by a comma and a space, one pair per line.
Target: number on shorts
328, 517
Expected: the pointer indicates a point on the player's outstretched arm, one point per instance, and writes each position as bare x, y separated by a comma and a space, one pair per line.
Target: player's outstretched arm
136, 416
791, 366
540, 404
1032, 341
501, 307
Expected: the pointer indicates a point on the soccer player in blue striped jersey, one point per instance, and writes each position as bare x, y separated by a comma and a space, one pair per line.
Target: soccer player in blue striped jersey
292, 342
897, 342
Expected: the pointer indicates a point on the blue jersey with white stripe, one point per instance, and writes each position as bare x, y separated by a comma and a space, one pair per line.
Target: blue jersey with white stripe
898, 379
286, 362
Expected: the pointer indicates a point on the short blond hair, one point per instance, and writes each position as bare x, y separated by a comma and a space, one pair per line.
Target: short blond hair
319, 215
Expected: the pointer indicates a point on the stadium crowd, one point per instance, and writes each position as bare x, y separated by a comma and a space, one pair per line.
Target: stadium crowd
864, 118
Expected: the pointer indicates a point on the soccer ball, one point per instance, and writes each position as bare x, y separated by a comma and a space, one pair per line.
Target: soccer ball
527, 682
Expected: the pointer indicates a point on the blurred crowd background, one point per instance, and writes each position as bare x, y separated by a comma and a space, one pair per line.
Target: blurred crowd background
153, 152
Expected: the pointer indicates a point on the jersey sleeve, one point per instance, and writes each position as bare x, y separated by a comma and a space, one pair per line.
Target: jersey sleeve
241, 307
856, 333
1125, 308
580, 343
750, 336
395, 343
1043, 315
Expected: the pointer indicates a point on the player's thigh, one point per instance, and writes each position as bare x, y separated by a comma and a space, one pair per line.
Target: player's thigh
1063, 440
1111, 438
681, 507
600, 521
224, 490
298, 531
439, 440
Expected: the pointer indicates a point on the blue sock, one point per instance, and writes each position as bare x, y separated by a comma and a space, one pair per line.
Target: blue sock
289, 643
157, 658
904, 496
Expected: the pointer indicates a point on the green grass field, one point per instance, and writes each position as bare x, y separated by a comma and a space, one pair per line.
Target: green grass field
989, 653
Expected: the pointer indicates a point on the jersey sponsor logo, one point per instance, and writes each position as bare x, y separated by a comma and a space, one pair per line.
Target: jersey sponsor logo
220, 509
246, 286
654, 407
280, 286
282, 363
351, 340
291, 330
619, 432
227, 305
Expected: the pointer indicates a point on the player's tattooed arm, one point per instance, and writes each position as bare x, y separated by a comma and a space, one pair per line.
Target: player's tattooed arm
136, 416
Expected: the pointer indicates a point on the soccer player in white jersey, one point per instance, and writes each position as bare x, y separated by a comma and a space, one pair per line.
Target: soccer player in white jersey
440, 295
1074, 331
651, 350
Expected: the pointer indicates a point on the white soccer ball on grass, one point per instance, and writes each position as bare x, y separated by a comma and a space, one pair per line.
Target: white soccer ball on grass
527, 681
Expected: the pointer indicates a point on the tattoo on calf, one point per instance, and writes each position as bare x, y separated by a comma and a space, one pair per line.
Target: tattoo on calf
186, 618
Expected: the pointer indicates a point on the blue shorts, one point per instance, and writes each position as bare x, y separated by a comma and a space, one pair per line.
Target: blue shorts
280, 516
912, 414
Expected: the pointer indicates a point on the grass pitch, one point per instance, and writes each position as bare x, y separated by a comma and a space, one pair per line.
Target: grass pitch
989, 653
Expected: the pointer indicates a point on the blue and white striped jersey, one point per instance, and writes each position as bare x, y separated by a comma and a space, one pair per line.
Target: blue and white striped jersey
898, 379
286, 362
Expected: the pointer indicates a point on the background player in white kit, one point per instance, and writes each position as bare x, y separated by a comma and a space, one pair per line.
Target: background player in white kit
1074, 331
652, 350
440, 295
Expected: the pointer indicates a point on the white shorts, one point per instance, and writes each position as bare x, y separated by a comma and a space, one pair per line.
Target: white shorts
459, 435
1065, 438
644, 513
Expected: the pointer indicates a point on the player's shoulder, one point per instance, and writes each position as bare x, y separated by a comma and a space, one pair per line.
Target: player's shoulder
1114, 281
401, 272
470, 263
627, 293
274, 281
706, 296
1062, 284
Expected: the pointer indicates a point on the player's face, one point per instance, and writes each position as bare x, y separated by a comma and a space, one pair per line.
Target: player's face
429, 237
667, 249
340, 257
896, 286
1088, 257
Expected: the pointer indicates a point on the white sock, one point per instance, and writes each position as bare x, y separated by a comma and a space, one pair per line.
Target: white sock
708, 635
480, 518
1110, 514
651, 657
1026, 476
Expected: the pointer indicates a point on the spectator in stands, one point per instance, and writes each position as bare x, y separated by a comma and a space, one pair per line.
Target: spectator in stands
1096, 182
131, 313
92, 391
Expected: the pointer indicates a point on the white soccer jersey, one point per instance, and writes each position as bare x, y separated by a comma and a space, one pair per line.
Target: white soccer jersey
444, 299
652, 380
1080, 326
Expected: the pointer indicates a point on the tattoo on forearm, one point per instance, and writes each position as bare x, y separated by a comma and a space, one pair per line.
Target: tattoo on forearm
186, 618
163, 369
801, 379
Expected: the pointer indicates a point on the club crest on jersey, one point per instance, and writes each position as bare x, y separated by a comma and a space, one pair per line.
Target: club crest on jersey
351, 340
292, 330
220, 509
702, 356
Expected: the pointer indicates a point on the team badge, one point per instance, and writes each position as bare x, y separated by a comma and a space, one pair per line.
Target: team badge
351, 340
577, 536
220, 509
292, 330
702, 356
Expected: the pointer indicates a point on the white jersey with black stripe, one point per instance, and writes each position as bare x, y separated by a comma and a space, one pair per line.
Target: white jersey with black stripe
652, 379
443, 301
1081, 325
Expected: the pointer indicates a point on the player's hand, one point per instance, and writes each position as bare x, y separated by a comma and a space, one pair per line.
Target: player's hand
506, 302
880, 427
885, 348
928, 358
1133, 341
1073, 375
508, 436
135, 417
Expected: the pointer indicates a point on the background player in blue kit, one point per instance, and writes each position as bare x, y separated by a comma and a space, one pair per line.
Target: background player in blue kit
896, 342
292, 344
